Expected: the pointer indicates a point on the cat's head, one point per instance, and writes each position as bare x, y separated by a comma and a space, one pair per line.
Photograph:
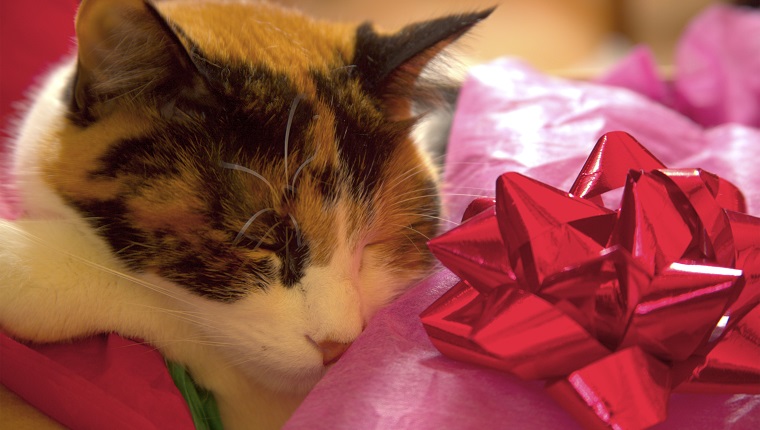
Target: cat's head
259, 160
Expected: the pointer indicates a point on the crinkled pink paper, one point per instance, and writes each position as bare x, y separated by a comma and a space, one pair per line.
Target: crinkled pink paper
513, 118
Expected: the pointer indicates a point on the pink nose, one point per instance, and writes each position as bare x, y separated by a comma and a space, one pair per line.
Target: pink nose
332, 351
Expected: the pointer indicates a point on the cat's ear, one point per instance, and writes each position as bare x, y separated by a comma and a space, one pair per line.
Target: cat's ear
128, 52
389, 64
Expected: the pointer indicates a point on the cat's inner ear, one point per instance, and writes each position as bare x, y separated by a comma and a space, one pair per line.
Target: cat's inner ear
129, 53
390, 64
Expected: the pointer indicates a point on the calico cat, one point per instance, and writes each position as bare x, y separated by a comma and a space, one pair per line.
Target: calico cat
232, 182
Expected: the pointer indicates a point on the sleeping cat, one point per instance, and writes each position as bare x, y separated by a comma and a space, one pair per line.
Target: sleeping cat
231, 182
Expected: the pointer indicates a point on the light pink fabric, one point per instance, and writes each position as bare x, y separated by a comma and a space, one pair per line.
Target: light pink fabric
511, 118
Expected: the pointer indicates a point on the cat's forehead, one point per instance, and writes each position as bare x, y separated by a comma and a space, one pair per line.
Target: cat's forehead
280, 73
255, 32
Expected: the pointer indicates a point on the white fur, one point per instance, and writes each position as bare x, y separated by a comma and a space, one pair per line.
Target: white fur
59, 281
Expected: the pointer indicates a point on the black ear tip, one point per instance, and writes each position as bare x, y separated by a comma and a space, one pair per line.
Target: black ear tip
476, 17
465, 21
486, 13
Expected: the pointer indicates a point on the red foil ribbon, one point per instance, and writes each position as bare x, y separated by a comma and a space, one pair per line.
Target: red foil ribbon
615, 309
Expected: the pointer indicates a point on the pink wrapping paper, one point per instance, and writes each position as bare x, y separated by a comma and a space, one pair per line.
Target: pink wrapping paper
511, 118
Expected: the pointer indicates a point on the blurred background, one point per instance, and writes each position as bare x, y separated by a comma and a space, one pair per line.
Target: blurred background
571, 38
567, 37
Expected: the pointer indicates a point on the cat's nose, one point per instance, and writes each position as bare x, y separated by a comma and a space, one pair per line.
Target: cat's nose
332, 351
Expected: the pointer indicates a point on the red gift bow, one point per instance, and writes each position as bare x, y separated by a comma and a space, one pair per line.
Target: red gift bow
614, 308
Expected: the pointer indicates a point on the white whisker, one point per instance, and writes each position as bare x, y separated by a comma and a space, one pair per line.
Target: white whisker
298, 232
292, 113
465, 195
298, 171
414, 230
248, 223
411, 241
347, 67
264, 236
431, 192
426, 196
247, 170
405, 175
101, 267
196, 318
431, 217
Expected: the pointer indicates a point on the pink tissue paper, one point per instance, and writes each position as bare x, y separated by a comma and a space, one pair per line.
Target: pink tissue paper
512, 118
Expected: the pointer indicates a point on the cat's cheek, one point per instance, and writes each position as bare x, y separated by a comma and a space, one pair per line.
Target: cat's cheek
378, 286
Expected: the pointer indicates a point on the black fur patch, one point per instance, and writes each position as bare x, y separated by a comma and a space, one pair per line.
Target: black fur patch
365, 139
108, 217
218, 274
144, 157
253, 111
327, 181
293, 253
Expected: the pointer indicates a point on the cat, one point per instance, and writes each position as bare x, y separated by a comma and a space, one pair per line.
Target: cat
230, 181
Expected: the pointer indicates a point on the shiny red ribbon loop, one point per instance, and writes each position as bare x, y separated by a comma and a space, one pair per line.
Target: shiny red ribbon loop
615, 307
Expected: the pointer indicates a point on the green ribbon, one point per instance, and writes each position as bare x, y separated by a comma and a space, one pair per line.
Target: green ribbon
203, 407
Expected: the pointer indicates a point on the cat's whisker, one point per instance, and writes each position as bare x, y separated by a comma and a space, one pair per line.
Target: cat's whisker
240, 360
298, 231
432, 192
197, 318
399, 203
130, 246
264, 236
248, 223
298, 171
247, 170
408, 227
485, 190
122, 275
432, 217
346, 67
436, 160
474, 196
487, 162
207, 61
411, 241
427, 196
405, 175
191, 340
291, 114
